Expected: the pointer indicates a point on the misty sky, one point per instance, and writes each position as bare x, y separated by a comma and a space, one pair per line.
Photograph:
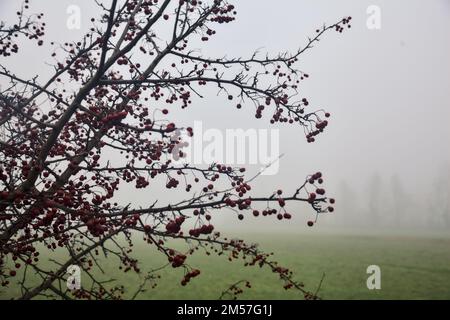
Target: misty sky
387, 89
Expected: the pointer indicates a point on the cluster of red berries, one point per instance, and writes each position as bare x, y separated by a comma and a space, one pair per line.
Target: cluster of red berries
204, 229
269, 212
122, 61
189, 276
222, 15
17, 196
259, 111
174, 226
172, 183
134, 94
97, 226
47, 219
320, 126
177, 260
279, 117
100, 93
316, 177
320, 191
4, 194
128, 262
242, 204
345, 21
209, 187
288, 286
242, 189
141, 183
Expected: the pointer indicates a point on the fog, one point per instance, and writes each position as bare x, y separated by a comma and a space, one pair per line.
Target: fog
385, 155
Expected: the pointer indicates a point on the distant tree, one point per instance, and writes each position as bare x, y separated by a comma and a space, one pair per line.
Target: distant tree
100, 121
349, 214
439, 215
375, 201
401, 202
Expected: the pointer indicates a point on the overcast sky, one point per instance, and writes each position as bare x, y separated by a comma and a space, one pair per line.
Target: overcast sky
387, 89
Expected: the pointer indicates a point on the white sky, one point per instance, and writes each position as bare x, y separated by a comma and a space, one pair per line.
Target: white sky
387, 89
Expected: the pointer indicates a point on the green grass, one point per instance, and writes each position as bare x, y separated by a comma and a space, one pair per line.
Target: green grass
411, 267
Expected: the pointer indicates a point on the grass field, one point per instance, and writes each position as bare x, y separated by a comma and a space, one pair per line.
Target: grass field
411, 268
